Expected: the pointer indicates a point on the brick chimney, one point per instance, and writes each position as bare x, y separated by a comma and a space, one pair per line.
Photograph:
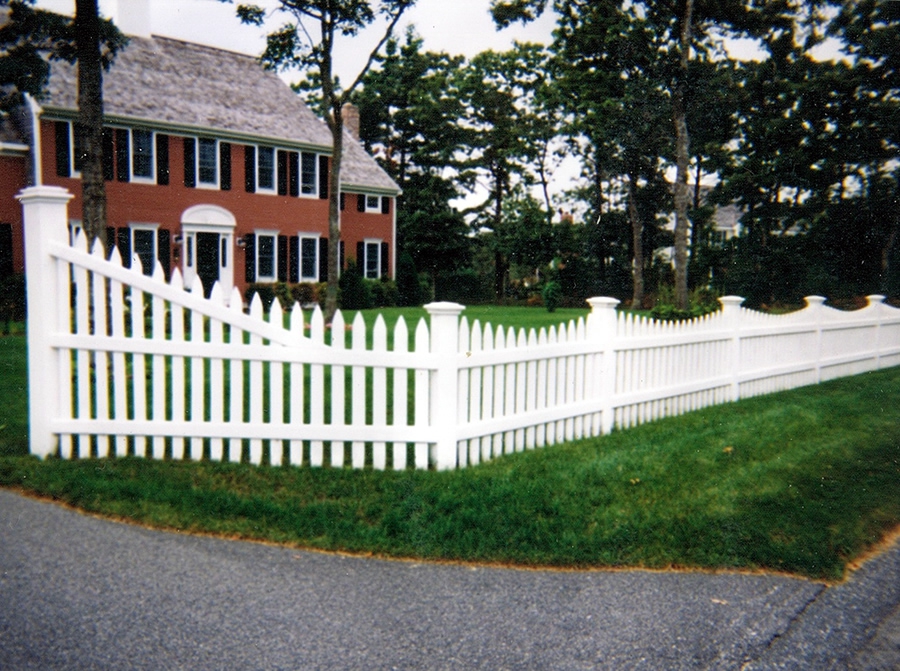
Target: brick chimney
350, 115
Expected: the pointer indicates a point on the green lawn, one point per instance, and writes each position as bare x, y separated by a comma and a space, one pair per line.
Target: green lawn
801, 481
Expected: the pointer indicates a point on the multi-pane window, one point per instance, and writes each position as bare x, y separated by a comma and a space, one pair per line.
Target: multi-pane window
79, 152
373, 204
309, 259
143, 243
266, 259
308, 176
142, 154
265, 172
207, 161
372, 263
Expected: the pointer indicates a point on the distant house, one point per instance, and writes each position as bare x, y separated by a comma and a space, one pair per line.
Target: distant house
213, 165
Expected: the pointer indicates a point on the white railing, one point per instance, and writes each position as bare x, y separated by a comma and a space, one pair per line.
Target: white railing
123, 363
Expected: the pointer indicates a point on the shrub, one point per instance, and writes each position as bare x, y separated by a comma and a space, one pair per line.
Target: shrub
462, 286
552, 295
701, 301
12, 300
355, 292
305, 294
409, 289
384, 292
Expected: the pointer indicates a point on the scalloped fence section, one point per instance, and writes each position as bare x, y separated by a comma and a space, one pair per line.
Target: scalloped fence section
125, 363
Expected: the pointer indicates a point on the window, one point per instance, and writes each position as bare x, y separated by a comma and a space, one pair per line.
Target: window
309, 179
372, 263
266, 256
142, 154
309, 259
265, 170
373, 204
143, 243
78, 150
207, 162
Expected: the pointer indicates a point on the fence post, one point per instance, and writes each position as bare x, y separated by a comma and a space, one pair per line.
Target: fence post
815, 304
731, 314
875, 301
444, 381
45, 221
601, 327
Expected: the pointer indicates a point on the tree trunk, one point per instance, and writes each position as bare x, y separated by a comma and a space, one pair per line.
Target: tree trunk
90, 118
682, 147
334, 213
637, 241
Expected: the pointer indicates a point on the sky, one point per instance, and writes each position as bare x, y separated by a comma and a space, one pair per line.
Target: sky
454, 26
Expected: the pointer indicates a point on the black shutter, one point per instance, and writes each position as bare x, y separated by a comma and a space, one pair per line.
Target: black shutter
294, 174
63, 151
124, 245
343, 201
163, 249
123, 155
385, 205
190, 162
361, 258
110, 240
250, 169
109, 156
323, 259
341, 263
225, 166
385, 260
6, 251
249, 258
162, 159
282, 173
361, 202
294, 258
323, 177
282, 258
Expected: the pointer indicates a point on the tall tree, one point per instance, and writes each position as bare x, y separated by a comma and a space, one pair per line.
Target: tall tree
30, 41
500, 123
309, 41
409, 120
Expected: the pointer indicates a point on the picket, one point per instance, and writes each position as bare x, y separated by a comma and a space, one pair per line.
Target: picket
133, 364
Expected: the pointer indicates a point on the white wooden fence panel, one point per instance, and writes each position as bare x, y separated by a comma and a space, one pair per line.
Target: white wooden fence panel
140, 366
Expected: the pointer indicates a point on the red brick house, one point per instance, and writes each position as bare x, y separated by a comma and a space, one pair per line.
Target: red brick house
213, 165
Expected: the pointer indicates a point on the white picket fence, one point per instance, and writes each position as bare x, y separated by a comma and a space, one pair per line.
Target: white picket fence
123, 363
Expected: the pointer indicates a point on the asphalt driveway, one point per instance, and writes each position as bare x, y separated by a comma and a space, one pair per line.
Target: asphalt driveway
77, 592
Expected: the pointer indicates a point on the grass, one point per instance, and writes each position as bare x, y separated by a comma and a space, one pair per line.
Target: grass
801, 481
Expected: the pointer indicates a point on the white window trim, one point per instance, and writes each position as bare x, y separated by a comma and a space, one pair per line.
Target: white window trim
207, 185
131, 154
377, 208
264, 189
274, 235
315, 238
315, 182
154, 228
365, 268
73, 172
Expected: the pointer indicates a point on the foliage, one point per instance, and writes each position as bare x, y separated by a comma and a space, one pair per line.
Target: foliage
293, 46
700, 302
383, 292
464, 286
12, 300
356, 293
552, 296
409, 288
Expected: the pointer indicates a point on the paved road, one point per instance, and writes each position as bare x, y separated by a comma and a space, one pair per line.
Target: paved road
83, 593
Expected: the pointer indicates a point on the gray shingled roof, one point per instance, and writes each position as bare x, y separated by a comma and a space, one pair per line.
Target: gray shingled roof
191, 87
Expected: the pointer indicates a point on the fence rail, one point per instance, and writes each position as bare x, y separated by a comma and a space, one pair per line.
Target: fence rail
125, 363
